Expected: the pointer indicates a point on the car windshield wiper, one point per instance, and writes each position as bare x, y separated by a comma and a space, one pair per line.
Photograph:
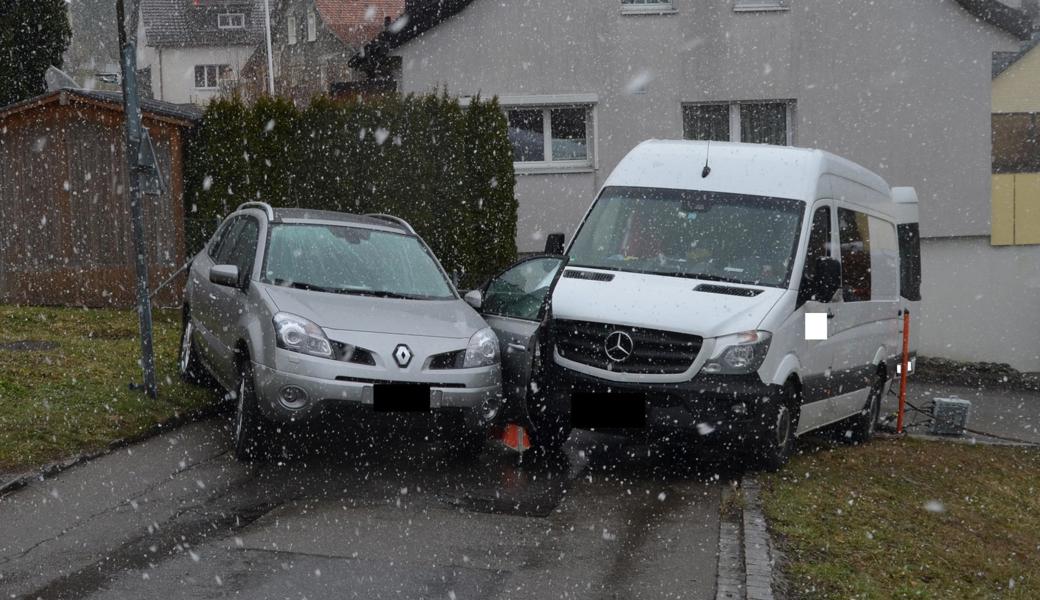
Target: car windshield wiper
302, 285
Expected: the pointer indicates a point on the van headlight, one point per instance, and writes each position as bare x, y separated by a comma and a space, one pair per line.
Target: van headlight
482, 349
739, 354
296, 334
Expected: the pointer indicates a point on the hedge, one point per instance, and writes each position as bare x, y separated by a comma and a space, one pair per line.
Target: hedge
447, 170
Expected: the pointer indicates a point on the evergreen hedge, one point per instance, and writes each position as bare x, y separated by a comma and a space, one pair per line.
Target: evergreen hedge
447, 170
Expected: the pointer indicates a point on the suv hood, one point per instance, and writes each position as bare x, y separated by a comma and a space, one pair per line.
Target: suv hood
430, 318
662, 302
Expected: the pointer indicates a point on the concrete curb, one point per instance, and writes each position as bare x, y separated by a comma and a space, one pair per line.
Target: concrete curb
746, 553
20, 480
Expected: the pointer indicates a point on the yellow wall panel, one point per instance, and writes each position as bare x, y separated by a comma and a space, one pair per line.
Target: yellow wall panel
1003, 210
1027, 208
1015, 90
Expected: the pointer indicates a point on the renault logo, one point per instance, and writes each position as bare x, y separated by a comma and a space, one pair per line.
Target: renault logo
619, 346
402, 355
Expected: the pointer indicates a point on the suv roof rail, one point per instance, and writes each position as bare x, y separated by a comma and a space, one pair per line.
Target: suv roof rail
393, 219
257, 204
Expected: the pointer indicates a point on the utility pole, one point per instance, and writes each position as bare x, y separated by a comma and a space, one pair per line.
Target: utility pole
132, 112
270, 58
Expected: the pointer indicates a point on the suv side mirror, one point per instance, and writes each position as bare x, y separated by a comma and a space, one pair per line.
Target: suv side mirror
554, 243
224, 275
824, 284
474, 298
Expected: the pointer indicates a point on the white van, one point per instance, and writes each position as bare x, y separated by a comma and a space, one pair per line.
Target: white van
691, 292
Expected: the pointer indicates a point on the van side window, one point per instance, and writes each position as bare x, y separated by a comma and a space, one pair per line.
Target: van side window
910, 261
819, 240
854, 237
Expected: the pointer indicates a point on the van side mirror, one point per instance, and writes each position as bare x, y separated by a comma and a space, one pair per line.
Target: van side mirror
824, 283
554, 244
224, 275
474, 298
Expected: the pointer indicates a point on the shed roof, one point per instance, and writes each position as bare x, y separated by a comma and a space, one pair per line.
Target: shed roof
178, 114
192, 23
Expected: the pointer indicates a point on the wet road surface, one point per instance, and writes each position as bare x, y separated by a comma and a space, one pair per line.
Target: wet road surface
379, 513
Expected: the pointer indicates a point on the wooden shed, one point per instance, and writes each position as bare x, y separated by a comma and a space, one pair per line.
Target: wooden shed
65, 233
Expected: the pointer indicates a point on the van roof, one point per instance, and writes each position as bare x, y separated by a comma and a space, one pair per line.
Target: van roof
753, 169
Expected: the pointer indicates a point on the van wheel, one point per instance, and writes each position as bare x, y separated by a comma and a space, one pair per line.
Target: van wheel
189, 366
777, 441
250, 429
863, 426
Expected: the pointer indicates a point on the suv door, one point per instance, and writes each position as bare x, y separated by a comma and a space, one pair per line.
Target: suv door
516, 304
229, 303
203, 298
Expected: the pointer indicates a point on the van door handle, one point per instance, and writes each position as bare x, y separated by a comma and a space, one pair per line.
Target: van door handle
830, 315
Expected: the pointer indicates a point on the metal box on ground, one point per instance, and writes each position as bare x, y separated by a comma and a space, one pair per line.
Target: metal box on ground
950, 416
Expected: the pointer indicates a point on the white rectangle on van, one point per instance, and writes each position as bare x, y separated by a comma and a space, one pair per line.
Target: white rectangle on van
815, 326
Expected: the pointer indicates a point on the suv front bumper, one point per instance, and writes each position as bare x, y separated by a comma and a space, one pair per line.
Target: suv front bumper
479, 396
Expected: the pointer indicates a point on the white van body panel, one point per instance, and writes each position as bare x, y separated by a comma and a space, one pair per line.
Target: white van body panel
862, 335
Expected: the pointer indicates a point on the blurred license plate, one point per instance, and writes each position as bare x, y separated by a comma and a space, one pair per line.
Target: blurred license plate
401, 397
598, 410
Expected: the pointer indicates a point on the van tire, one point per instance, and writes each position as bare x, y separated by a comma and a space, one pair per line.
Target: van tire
777, 440
189, 365
250, 430
862, 426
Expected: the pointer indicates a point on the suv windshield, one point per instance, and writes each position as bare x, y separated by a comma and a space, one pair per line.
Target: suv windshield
706, 235
353, 260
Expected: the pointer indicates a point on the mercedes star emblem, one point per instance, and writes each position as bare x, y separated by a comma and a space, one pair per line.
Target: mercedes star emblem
619, 346
402, 355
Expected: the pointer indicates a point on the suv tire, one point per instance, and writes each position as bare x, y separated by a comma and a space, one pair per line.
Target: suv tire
189, 366
250, 430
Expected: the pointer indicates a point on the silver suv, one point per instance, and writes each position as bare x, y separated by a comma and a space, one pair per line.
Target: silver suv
293, 309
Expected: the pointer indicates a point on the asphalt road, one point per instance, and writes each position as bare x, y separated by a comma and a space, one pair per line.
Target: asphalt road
377, 513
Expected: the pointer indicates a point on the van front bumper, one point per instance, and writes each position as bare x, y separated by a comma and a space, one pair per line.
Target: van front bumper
712, 406
480, 401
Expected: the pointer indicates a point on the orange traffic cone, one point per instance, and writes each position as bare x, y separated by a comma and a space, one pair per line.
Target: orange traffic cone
515, 438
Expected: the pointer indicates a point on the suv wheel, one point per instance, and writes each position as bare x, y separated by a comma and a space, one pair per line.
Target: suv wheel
250, 428
777, 441
189, 366
863, 426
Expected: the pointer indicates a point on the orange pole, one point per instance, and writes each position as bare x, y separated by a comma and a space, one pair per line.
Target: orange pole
903, 369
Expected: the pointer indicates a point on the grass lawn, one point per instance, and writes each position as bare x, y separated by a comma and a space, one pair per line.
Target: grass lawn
909, 519
74, 396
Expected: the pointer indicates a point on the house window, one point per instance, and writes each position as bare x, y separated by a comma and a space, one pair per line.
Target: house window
646, 6
312, 26
551, 136
759, 5
231, 21
209, 77
290, 23
750, 122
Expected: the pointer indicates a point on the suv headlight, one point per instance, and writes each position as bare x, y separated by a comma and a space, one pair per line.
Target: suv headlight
296, 334
739, 354
482, 349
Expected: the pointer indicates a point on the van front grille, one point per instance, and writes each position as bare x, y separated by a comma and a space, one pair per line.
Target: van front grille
652, 351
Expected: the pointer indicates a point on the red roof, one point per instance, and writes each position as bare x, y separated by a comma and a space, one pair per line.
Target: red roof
357, 22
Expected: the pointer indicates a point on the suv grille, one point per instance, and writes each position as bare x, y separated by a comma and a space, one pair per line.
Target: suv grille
652, 351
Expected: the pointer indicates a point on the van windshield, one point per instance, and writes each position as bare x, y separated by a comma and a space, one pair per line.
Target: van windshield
683, 233
353, 260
